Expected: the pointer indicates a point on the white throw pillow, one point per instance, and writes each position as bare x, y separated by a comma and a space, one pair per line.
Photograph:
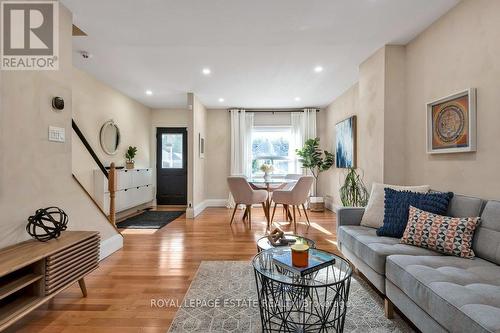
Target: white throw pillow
374, 211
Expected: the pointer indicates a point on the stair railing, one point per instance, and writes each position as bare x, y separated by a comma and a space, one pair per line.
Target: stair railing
110, 175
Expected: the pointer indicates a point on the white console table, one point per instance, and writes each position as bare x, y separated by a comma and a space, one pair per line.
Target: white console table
134, 187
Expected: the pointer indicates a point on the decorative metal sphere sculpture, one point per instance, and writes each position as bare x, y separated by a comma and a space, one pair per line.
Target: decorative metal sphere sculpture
47, 223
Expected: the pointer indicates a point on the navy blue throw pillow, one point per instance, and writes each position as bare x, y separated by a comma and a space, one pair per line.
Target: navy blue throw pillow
397, 206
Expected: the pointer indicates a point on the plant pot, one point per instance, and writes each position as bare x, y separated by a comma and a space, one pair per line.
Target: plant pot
316, 204
129, 165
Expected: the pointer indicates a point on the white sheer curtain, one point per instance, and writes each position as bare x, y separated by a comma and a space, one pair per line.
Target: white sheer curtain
309, 124
309, 132
303, 128
241, 145
296, 142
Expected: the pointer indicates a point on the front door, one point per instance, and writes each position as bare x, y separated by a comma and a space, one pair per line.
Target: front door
171, 166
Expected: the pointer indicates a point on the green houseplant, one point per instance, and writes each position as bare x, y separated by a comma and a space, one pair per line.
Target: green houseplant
316, 160
353, 193
129, 155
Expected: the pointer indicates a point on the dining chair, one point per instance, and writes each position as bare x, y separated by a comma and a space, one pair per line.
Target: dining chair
243, 194
295, 197
289, 186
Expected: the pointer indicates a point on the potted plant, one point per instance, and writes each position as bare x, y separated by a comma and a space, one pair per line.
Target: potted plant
316, 160
267, 169
353, 193
129, 155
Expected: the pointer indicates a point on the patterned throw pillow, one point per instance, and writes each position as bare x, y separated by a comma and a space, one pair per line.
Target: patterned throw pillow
397, 205
448, 235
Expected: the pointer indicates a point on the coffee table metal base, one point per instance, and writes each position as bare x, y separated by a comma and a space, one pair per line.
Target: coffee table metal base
302, 304
286, 308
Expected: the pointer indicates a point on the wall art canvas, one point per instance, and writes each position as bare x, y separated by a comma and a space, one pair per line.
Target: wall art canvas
345, 142
451, 123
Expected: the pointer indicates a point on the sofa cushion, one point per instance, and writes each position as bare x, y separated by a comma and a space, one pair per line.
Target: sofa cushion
374, 212
464, 206
372, 249
397, 205
448, 235
462, 295
486, 243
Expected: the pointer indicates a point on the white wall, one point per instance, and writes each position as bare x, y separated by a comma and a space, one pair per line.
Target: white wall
94, 103
34, 172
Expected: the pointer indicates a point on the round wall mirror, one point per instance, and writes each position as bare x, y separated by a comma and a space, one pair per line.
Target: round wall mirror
110, 137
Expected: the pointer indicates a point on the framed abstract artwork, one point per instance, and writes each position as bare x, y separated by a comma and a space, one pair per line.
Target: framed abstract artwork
451, 123
345, 143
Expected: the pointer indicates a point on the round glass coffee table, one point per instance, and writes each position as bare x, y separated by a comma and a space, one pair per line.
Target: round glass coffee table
264, 243
289, 302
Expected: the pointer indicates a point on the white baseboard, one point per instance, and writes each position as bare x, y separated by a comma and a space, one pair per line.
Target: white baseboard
191, 213
216, 202
110, 246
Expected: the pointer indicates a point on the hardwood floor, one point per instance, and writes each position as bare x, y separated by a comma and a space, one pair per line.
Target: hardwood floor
160, 264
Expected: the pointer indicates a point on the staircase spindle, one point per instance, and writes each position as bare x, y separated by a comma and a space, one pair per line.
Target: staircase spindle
112, 190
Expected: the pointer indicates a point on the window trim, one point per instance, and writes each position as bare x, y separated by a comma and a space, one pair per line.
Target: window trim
277, 129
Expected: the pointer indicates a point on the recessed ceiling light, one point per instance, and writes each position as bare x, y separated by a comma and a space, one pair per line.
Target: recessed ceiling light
221, 99
149, 92
297, 99
206, 71
318, 69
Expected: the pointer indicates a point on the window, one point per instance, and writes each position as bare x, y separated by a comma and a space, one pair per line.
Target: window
171, 147
272, 145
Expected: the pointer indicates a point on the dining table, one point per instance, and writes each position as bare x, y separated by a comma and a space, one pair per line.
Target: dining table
270, 185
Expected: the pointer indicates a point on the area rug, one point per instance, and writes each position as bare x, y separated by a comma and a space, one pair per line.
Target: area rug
149, 220
223, 282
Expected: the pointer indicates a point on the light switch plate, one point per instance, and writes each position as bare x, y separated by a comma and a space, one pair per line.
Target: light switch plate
57, 134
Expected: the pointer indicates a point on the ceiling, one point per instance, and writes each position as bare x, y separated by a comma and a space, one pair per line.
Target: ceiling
261, 53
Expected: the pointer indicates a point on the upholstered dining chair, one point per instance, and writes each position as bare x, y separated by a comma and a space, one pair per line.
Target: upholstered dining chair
289, 186
295, 197
244, 194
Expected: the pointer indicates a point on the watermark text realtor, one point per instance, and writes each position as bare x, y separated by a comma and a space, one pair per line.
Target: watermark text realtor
30, 35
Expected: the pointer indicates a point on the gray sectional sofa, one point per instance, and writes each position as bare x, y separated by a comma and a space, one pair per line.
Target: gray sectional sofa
437, 293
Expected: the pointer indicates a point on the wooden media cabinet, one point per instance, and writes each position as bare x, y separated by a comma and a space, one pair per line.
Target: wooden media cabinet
33, 272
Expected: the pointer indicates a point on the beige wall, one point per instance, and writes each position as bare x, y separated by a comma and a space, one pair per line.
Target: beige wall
371, 117
94, 103
343, 107
34, 172
394, 86
366, 100
170, 117
395, 136
199, 129
207, 177
218, 150
448, 57
165, 118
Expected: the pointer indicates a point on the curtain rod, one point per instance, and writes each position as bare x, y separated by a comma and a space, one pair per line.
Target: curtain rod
273, 110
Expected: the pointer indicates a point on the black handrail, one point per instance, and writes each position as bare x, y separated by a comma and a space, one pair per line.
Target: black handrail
89, 148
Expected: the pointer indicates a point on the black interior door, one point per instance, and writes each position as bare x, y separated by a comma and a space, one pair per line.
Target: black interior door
171, 166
